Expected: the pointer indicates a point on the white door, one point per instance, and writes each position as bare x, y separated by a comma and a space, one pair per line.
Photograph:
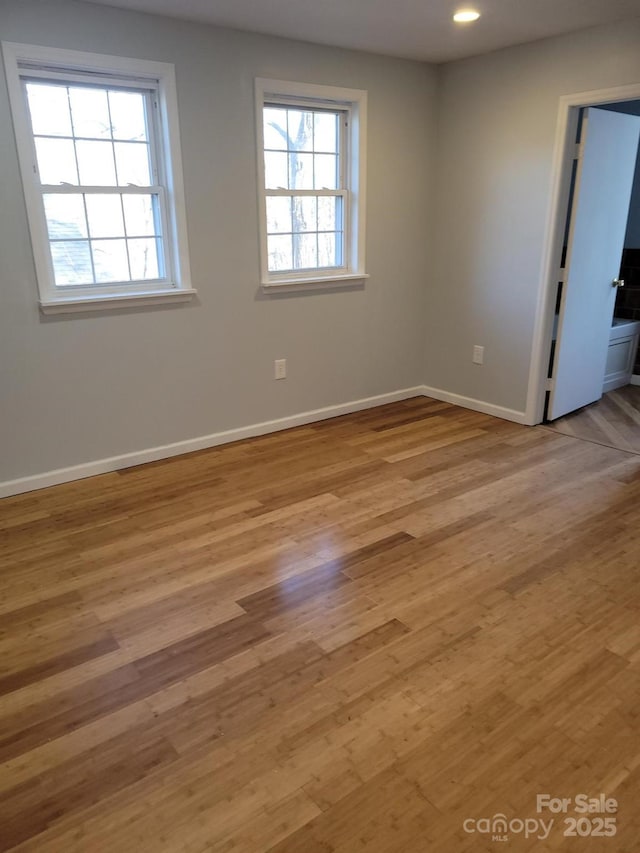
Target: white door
596, 240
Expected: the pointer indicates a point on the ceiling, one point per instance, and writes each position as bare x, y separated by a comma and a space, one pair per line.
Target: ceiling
415, 29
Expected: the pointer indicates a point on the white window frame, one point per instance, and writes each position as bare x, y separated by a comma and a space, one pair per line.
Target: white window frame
354, 165
34, 62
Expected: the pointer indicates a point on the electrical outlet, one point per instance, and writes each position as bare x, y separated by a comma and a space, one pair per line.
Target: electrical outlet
478, 355
280, 368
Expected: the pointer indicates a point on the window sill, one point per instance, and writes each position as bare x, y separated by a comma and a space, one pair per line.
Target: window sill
320, 283
78, 304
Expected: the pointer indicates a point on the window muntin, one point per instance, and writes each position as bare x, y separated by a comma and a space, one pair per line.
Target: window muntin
97, 169
305, 187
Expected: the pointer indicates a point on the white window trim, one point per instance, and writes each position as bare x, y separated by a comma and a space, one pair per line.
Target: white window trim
355, 100
161, 76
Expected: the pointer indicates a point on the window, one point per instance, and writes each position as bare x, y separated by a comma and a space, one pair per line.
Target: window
99, 153
311, 166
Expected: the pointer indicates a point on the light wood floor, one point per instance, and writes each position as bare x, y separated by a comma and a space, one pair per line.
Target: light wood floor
347, 637
614, 420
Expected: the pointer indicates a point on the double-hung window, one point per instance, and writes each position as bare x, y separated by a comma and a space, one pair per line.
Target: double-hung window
311, 166
99, 151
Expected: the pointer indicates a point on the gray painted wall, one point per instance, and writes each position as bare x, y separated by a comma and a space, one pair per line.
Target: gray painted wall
87, 387
497, 127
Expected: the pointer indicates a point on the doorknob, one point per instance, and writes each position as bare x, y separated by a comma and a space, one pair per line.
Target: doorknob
617, 282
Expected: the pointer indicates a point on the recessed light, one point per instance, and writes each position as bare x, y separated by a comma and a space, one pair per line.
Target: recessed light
466, 16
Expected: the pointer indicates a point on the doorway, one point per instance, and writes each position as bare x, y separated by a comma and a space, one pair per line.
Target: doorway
560, 372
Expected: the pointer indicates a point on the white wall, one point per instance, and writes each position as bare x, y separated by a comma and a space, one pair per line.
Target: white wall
82, 388
497, 128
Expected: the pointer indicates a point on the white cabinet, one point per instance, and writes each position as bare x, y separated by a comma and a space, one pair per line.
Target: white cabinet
621, 355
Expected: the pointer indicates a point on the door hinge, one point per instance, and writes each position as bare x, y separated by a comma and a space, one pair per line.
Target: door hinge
548, 385
577, 154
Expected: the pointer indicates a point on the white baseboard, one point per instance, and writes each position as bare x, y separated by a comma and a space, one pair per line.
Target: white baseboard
476, 405
635, 379
127, 460
614, 384
153, 454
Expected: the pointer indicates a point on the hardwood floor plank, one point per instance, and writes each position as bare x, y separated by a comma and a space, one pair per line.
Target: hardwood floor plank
200, 650
292, 592
127, 684
51, 666
59, 607
30, 808
234, 707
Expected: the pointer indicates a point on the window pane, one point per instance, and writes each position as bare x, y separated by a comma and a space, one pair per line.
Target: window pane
56, 161
301, 171
49, 108
139, 215
90, 112
279, 253
110, 260
104, 213
65, 217
275, 128
275, 167
325, 132
143, 257
326, 172
71, 263
329, 250
304, 214
132, 163
330, 213
300, 130
305, 255
95, 162
278, 215
128, 116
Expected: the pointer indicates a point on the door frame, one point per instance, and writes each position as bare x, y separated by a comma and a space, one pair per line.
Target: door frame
563, 156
